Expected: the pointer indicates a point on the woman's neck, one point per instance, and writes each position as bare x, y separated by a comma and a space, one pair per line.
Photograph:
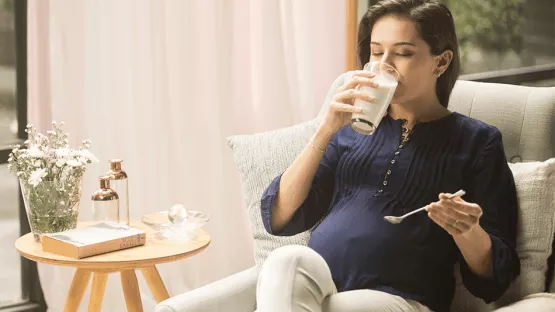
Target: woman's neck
418, 111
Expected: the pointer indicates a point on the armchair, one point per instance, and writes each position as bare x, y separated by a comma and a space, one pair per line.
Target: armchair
526, 118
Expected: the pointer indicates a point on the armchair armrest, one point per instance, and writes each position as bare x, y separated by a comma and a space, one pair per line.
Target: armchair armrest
235, 293
541, 302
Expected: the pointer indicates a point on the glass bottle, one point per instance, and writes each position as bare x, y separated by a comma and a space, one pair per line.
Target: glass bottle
105, 202
118, 181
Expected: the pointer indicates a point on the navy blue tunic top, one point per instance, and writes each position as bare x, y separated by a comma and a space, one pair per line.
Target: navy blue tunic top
363, 178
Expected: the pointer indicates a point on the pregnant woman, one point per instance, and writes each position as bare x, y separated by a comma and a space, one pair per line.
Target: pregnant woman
344, 183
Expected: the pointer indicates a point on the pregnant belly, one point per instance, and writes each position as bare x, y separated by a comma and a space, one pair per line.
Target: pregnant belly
362, 249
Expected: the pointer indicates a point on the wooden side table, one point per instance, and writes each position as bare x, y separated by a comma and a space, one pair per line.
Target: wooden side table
143, 258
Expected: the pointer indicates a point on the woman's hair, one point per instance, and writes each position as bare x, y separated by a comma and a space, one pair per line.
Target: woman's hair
435, 24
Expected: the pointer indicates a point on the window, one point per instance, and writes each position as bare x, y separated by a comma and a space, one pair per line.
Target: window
505, 41
10, 277
504, 34
19, 284
8, 116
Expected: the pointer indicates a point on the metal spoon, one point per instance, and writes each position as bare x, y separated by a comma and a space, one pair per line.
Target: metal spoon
397, 220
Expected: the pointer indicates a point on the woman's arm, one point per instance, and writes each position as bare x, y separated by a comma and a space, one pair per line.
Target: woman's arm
484, 225
476, 249
297, 179
461, 219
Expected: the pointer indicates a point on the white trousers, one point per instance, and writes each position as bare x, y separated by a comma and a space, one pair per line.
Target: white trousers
297, 279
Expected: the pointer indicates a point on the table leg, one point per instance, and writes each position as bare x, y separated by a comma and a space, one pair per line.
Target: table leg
77, 290
97, 291
155, 283
131, 291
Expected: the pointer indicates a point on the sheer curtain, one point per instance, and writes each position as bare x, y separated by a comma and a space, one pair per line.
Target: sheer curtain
161, 84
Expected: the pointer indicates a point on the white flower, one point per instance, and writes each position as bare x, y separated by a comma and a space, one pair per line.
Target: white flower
50, 153
36, 177
87, 154
74, 163
63, 152
35, 152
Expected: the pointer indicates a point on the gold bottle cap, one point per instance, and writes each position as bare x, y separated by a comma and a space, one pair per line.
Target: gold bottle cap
115, 164
105, 192
104, 182
116, 173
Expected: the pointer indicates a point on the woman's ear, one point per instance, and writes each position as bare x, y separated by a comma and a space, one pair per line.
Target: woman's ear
443, 61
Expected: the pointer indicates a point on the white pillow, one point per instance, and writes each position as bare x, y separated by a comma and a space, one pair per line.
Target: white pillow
535, 182
535, 185
260, 158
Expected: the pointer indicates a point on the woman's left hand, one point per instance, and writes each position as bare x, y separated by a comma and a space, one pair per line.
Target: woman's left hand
456, 216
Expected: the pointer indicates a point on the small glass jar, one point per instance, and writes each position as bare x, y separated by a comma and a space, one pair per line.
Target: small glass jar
105, 202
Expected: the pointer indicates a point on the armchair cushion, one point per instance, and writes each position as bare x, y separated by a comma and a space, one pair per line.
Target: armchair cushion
543, 302
535, 183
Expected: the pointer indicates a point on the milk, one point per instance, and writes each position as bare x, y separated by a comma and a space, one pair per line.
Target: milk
368, 120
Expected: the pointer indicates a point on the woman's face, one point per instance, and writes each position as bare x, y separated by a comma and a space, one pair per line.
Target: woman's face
396, 41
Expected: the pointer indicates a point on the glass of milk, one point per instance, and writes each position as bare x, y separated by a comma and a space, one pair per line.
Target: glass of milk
372, 113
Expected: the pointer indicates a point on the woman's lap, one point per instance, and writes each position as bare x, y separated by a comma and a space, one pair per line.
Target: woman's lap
296, 278
364, 300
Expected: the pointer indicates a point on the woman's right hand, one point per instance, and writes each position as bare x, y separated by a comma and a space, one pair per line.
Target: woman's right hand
341, 108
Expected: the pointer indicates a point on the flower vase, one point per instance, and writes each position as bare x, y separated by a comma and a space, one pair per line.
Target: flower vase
52, 206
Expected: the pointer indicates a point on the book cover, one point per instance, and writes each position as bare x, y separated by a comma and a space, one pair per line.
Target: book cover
93, 240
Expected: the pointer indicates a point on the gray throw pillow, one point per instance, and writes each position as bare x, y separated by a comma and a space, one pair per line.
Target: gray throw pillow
260, 158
